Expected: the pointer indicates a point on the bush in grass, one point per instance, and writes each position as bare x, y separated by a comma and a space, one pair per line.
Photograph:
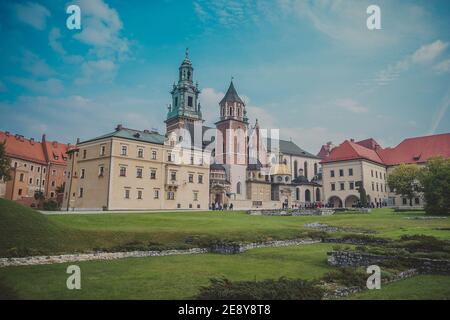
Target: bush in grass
415, 243
347, 277
50, 205
281, 289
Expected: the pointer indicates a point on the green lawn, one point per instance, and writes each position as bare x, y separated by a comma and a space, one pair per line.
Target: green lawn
24, 231
423, 287
171, 277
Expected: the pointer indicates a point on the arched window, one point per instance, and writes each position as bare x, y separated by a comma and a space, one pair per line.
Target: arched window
305, 169
315, 169
295, 169
318, 194
238, 188
307, 196
231, 111
297, 194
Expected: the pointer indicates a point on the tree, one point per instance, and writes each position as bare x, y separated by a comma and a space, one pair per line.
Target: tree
362, 194
5, 163
404, 180
435, 181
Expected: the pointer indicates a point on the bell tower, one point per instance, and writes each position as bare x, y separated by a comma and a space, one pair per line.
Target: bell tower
233, 125
185, 107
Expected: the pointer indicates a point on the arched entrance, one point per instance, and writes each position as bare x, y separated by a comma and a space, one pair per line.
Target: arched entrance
307, 195
335, 202
351, 201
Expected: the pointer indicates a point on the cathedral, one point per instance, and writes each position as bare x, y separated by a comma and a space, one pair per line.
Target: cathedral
250, 167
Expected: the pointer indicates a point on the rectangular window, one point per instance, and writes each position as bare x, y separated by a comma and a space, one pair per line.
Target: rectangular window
373, 186
200, 178
191, 178
21, 177
170, 195
43, 182
123, 171
124, 150
371, 173
153, 155
101, 171
190, 102
342, 186
102, 150
140, 153
80, 193
153, 174
32, 168
138, 172
127, 193
351, 185
341, 172
53, 172
332, 173
53, 183
82, 173
376, 174
84, 154
333, 187
169, 157
37, 182
173, 176
350, 172
156, 194
139, 196
404, 201
30, 181
20, 192
377, 186
416, 201
195, 196
192, 160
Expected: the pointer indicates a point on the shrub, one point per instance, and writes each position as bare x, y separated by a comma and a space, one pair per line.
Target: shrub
435, 181
347, 277
50, 205
281, 289
414, 243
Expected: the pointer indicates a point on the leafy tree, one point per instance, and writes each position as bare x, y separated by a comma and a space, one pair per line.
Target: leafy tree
5, 162
404, 181
362, 194
435, 180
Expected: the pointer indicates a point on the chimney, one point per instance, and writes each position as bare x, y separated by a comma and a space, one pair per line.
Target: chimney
43, 137
119, 127
78, 141
352, 140
32, 141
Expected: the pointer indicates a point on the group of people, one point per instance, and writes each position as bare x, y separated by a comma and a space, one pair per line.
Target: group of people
219, 206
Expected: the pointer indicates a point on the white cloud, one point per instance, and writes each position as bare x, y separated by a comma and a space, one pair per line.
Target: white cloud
54, 41
98, 70
50, 86
32, 14
35, 65
425, 54
209, 99
429, 52
351, 105
442, 67
101, 26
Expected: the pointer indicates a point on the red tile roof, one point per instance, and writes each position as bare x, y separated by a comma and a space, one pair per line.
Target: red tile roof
411, 150
417, 150
350, 150
28, 149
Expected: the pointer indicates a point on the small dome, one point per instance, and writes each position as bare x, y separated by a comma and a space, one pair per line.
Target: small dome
279, 169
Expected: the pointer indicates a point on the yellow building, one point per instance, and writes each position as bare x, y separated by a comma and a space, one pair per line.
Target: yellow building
135, 170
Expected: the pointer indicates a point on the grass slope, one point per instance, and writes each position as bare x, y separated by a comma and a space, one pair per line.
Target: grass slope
171, 277
24, 231
423, 287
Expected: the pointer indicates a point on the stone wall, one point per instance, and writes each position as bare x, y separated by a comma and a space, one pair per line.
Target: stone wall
234, 248
356, 259
292, 212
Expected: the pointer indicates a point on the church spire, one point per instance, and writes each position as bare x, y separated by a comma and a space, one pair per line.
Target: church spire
232, 106
185, 105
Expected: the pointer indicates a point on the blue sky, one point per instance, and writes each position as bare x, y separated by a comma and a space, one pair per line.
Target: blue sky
310, 68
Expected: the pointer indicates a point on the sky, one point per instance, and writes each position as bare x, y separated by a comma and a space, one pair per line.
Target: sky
309, 68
